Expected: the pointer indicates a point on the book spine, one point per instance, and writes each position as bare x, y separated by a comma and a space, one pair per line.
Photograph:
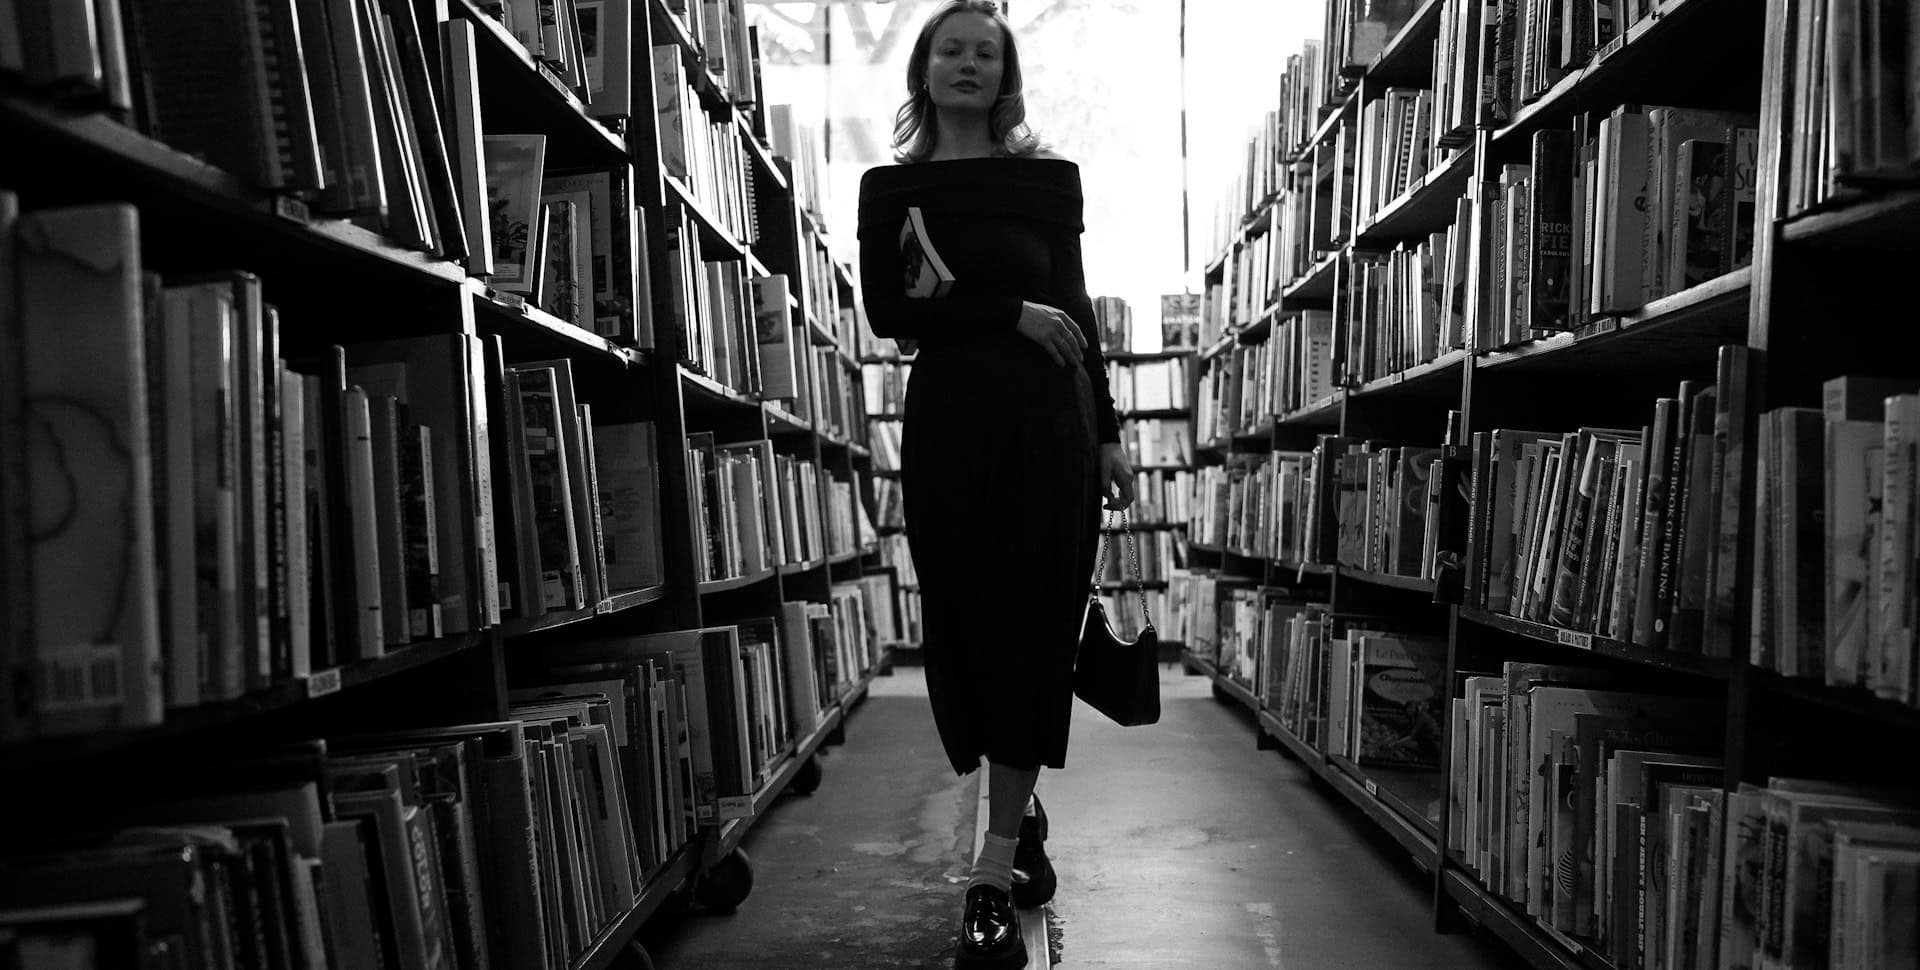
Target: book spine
1551, 230
95, 610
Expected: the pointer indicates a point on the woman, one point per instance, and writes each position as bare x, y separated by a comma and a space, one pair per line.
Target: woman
1010, 437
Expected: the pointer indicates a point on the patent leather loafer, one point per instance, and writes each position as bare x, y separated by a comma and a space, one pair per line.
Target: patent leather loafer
990, 932
1033, 878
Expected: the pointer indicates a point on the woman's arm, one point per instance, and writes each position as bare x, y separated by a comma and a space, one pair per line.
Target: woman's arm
1070, 287
967, 310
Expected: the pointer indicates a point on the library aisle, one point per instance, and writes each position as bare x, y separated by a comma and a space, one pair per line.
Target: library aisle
1176, 848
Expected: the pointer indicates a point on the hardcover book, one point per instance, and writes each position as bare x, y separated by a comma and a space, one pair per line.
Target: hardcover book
514, 165
926, 273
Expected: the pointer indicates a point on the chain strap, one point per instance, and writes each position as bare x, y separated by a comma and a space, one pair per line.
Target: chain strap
1133, 553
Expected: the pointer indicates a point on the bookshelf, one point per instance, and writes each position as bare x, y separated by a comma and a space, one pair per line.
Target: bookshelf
1276, 587
704, 234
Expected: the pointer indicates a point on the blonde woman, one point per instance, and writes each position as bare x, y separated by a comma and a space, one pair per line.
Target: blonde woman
1010, 439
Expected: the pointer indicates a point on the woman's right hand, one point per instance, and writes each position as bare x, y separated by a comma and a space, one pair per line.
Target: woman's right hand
1053, 330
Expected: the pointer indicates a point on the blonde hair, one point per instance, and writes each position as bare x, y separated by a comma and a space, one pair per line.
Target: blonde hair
916, 127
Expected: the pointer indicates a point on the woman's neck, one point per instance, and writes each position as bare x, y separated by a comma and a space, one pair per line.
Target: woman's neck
962, 135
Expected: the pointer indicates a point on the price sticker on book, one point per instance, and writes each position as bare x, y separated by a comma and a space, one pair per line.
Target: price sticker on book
320, 683
1574, 638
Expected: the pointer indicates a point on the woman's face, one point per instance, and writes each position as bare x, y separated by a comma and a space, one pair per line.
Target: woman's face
965, 63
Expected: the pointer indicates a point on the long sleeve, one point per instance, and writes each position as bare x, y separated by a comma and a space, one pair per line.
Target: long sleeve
1070, 286
967, 310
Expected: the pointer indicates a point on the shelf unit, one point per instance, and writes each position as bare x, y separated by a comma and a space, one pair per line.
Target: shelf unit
1786, 308
338, 281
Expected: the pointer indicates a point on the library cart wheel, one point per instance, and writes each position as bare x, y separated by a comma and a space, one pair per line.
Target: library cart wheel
807, 780
725, 886
635, 957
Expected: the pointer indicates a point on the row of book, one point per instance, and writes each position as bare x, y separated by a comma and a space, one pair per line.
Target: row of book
1371, 696
1237, 507
1253, 184
756, 508
273, 517
703, 151
1242, 390
513, 842
1834, 511
1626, 533
1381, 498
369, 111
727, 52
1113, 323
1850, 116
1157, 443
586, 497
1160, 552
1161, 496
884, 389
729, 327
1402, 308
1398, 143
571, 243
800, 146
1356, 32
1527, 48
1150, 385
1601, 814
1655, 202
883, 439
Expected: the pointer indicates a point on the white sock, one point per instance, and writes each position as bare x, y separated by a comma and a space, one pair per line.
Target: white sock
994, 865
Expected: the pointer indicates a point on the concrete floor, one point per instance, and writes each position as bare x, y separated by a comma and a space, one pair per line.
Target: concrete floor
1177, 846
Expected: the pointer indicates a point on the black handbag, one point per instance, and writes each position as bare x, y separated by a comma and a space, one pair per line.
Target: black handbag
1117, 677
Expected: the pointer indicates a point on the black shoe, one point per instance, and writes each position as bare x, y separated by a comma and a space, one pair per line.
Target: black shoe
1033, 878
990, 933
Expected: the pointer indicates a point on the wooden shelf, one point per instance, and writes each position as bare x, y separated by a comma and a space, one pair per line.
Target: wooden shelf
523, 94
1353, 785
1131, 585
1426, 208
736, 582
1856, 703
1698, 666
761, 154
1316, 286
1134, 356
712, 392
1657, 55
1693, 321
513, 315
1322, 413
38, 754
607, 947
1437, 375
1413, 583
628, 599
1535, 946
1154, 414
781, 420
1407, 60
1881, 222
159, 178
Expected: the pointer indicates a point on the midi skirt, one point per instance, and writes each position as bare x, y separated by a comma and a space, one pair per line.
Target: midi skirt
998, 468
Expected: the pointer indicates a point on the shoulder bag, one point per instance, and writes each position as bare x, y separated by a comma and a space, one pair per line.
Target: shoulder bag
1117, 677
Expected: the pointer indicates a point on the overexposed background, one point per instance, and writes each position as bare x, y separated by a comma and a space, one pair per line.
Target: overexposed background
1103, 88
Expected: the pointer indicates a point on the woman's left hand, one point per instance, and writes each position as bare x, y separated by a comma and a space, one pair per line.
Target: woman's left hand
1116, 476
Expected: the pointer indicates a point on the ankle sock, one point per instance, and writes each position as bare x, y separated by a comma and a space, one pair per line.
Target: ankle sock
994, 865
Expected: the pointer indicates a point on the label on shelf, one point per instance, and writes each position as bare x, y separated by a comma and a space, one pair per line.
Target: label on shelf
288, 207
320, 683
1371, 787
735, 807
1611, 48
1574, 638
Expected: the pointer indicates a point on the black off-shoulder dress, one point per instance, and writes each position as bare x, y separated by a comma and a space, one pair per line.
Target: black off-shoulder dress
999, 447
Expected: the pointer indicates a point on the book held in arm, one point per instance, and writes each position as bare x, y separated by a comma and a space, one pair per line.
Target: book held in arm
925, 273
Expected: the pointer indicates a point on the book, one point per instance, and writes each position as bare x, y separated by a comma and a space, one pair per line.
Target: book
96, 639
515, 165
927, 274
